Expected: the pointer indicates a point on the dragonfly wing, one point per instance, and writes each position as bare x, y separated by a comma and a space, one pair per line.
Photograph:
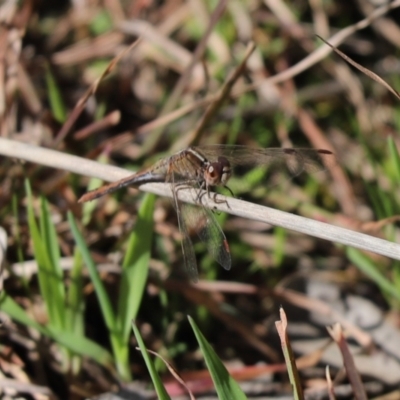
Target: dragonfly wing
189, 256
293, 160
203, 221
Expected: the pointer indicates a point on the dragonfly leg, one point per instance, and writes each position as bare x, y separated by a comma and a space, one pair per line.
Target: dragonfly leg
200, 192
229, 190
215, 199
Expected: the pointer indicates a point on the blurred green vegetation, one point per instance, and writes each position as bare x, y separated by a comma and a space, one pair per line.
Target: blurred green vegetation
123, 251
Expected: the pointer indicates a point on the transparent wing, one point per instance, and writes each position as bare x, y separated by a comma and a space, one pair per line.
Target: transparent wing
197, 218
203, 221
189, 256
294, 161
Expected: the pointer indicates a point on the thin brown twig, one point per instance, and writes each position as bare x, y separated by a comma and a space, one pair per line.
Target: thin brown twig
323, 308
172, 370
337, 334
108, 120
366, 71
221, 97
76, 112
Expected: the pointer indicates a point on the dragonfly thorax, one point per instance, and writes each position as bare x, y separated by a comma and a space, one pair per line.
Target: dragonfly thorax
218, 172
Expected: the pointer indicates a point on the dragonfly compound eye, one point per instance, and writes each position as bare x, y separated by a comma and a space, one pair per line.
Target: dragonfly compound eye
212, 174
225, 169
218, 172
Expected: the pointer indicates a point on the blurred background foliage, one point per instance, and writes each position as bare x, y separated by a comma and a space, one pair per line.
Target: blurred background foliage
120, 257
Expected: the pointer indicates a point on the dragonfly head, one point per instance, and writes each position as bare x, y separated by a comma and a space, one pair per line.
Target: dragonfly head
218, 172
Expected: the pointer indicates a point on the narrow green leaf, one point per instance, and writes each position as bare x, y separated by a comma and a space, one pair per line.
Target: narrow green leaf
75, 307
50, 240
14, 310
100, 290
50, 279
378, 199
49, 235
84, 347
157, 382
75, 300
227, 388
136, 266
119, 346
365, 264
395, 157
55, 99
75, 343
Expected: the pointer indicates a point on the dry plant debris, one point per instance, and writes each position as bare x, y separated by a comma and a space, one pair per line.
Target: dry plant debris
126, 83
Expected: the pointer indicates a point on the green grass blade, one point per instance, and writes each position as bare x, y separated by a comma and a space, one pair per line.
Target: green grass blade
120, 348
75, 300
227, 388
100, 290
136, 266
75, 319
365, 264
382, 203
14, 310
395, 157
158, 385
49, 274
77, 344
84, 347
55, 99
49, 235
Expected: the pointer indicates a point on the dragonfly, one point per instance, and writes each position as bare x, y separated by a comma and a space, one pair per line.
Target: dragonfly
203, 168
